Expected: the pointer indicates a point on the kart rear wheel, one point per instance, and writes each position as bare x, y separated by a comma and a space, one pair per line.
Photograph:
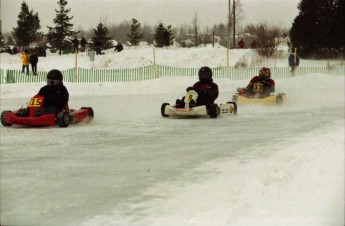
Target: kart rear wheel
213, 111
3, 119
163, 109
235, 106
63, 119
279, 99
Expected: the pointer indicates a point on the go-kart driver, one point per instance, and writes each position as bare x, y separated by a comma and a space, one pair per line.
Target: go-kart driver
207, 90
261, 84
55, 93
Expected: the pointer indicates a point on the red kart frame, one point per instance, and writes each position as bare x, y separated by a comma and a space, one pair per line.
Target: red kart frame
31, 118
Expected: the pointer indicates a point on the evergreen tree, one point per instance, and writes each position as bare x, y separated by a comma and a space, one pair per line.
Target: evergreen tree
60, 36
135, 36
316, 31
2, 41
338, 31
159, 35
171, 36
28, 27
164, 36
100, 35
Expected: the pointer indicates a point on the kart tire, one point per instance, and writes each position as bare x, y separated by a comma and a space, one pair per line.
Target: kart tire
163, 109
235, 98
235, 106
63, 119
279, 99
3, 119
91, 112
213, 111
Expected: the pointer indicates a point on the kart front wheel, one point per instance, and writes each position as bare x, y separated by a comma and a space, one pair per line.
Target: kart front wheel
163, 109
3, 119
91, 112
63, 119
235, 98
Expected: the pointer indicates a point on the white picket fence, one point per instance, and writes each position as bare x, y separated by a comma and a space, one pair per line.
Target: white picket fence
160, 71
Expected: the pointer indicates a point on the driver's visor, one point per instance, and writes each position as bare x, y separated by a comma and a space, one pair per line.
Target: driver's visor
53, 82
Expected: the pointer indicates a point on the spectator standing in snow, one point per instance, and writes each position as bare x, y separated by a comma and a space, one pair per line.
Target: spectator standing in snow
9, 50
14, 50
118, 47
83, 44
293, 61
98, 47
25, 61
34, 60
75, 42
241, 44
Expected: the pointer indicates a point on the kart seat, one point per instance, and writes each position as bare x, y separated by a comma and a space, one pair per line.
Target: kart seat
66, 108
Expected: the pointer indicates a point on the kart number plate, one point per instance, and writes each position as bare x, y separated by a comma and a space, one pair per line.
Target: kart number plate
227, 110
258, 87
35, 102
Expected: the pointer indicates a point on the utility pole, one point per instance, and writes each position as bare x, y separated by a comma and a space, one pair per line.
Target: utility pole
229, 24
233, 24
229, 38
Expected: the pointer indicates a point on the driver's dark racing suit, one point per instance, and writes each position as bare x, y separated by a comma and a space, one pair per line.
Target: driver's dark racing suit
260, 87
207, 92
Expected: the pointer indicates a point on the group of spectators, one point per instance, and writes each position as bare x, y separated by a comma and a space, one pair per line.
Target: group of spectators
27, 59
241, 44
97, 46
40, 50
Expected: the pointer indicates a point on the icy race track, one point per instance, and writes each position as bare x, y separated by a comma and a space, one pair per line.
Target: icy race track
131, 166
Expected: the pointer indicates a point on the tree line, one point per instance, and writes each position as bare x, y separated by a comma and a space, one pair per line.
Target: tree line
60, 35
318, 30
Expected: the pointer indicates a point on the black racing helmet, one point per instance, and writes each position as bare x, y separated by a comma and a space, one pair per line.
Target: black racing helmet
265, 73
54, 77
205, 74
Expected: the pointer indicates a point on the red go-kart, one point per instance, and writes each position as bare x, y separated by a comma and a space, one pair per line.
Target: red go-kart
32, 115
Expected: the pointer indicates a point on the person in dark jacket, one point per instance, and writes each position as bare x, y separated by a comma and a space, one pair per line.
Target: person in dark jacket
118, 47
98, 47
75, 42
33, 61
293, 62
55, 93
260, 86
207, 90
241, 44
83, 42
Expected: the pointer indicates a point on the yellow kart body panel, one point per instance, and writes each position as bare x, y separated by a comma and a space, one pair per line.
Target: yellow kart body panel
270, 100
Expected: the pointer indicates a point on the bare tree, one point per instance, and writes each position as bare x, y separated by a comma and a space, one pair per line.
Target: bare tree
183, 30
235, 16
267, 38
195, 23
206, 37
120, 31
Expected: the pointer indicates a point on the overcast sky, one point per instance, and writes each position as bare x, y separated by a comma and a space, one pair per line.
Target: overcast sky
89, 13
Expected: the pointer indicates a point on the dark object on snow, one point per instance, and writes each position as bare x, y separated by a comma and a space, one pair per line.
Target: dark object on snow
118, 47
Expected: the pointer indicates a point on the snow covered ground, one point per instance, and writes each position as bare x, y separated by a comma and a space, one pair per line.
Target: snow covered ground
272, 165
